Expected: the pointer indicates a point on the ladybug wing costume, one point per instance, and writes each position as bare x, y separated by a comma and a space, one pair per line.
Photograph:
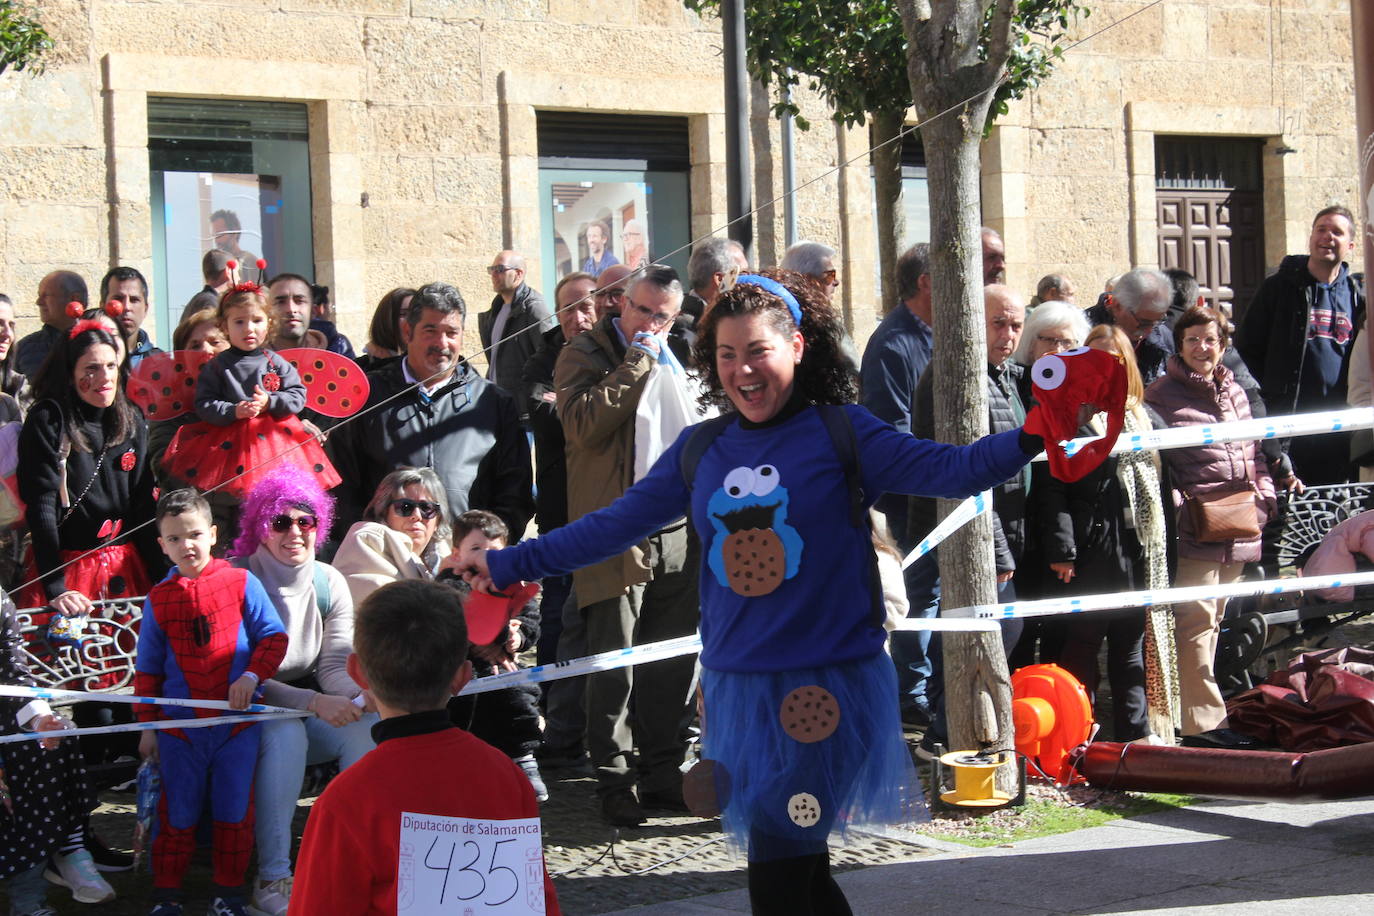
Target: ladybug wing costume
238, 453
199, 636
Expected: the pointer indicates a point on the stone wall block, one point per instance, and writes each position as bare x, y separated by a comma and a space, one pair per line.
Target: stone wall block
155, 29
51, 173
1185, 32
1239, 33
364, 7
1084, 92
453, 52
480, 9
1314, 36
586, 12
56, 234
59, 108
444, 130
468, 180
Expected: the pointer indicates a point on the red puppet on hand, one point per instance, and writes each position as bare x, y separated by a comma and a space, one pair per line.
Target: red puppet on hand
1064, 383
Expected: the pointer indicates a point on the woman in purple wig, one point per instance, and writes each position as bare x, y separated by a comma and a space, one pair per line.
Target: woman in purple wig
283, 517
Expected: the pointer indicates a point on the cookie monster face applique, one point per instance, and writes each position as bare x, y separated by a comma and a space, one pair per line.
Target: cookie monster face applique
754, 549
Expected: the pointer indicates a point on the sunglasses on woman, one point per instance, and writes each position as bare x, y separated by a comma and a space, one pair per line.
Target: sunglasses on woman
405, 508
283, 523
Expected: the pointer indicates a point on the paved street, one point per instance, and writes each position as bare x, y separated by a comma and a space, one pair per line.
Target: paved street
1213, 857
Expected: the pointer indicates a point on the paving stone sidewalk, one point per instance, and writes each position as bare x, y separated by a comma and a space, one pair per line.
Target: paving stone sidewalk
1213, 857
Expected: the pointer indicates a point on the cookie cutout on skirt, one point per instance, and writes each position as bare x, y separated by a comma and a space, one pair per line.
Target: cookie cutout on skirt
809, 714
804, 809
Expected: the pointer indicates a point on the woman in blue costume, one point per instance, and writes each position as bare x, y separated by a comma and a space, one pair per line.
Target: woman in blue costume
801, 702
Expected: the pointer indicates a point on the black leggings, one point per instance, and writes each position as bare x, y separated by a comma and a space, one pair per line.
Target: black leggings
796, 886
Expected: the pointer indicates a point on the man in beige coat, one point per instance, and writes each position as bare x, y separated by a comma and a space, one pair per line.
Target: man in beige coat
646, 594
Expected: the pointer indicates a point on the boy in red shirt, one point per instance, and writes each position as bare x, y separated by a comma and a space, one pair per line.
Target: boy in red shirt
432, 817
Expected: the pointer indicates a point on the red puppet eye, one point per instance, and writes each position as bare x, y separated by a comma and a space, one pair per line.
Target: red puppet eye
1049, 372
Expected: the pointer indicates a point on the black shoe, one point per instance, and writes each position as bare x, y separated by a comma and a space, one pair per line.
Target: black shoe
105, 858
664, 800
916, 715
620, 808
572, 758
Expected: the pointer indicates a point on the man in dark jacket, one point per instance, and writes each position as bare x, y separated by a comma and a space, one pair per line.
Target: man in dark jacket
1139, 305
1296, 337
513, 328
894, 360
432, 410
562, 634
1006, 316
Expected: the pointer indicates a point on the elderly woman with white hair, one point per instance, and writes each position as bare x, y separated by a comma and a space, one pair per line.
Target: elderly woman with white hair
403, 535
1052, 327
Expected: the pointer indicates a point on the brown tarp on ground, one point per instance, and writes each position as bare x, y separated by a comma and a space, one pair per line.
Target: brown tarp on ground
1323, 699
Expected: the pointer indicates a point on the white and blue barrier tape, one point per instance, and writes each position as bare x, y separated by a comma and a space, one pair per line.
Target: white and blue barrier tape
1155, 597
151, 726
1280, 427
76, 696
1284, 427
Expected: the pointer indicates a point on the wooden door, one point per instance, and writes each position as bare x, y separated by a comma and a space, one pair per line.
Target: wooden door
1217, 237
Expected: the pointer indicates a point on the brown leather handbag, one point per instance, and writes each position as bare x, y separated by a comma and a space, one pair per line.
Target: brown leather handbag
1221, 517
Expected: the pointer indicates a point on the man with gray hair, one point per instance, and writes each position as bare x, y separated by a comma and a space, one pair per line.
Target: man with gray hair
894, 360
1138, 304
431, 409
816, 261
713, 263
649, 592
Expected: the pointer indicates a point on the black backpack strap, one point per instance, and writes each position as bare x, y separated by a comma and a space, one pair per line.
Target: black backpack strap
846, 445
699, 441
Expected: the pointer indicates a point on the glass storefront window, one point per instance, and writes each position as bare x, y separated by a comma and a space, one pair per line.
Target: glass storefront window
228, 174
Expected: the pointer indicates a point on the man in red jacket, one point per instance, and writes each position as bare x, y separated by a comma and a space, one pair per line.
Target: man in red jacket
397, 830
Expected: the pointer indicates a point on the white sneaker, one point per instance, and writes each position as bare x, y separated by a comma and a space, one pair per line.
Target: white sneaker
77, 871
271, 898
1153, 740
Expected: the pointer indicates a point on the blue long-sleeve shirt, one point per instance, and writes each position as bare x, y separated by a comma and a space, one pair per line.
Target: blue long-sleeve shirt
784, 578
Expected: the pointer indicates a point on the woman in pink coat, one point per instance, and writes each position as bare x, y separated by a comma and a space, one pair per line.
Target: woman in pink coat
1197, 389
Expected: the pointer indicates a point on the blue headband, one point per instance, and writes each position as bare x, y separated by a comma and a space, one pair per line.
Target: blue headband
777, 289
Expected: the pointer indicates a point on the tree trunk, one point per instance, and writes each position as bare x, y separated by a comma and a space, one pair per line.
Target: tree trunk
947, 70
765, 253
887, 188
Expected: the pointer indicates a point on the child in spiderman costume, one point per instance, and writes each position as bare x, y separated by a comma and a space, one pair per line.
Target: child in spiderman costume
209, 631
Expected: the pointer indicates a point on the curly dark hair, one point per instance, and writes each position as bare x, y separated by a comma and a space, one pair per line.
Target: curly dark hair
822, 377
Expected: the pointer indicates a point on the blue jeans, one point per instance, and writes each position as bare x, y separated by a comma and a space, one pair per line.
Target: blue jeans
911, 648
288, 746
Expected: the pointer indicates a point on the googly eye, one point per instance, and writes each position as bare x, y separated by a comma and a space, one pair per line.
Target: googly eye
739, 483
765, 479
1049, 372
1075, 351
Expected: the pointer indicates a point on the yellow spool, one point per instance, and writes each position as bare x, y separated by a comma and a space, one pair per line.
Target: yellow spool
973, 779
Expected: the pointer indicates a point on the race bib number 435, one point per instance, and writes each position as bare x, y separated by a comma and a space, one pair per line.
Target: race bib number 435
456, 865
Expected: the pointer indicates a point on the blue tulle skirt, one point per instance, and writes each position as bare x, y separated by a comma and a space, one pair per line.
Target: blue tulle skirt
805, 753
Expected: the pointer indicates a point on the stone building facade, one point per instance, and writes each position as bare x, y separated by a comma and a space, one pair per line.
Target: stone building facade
425, 131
